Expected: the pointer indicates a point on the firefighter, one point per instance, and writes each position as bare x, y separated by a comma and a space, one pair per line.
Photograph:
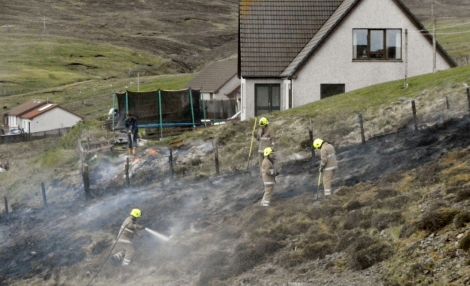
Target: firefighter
328, 164
268, 172
264, 137
132, 133
124, 245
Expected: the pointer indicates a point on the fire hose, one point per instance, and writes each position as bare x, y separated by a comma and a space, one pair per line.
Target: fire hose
105, 260
153, 232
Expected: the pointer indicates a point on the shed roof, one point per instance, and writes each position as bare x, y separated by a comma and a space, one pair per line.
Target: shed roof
25, 107
278, 37
212, 77
30, 115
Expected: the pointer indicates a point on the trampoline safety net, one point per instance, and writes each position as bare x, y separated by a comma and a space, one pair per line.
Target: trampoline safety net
161, 108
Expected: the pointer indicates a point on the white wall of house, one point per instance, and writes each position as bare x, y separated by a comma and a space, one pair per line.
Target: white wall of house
333, 62
12, 121
54, 119
248, 95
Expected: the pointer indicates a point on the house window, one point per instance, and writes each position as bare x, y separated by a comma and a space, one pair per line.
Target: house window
377, 44
267, 98
327, 90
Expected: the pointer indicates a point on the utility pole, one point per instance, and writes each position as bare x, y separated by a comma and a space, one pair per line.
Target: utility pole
138, 82
406, 58
433, 37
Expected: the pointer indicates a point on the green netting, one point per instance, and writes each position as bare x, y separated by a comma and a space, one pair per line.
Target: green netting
180, 108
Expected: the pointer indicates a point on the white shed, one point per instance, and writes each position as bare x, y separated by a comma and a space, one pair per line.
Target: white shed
48, 117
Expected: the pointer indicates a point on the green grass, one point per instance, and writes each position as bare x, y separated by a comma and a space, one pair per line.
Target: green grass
32, 62
454, 36
168, 82
383, 94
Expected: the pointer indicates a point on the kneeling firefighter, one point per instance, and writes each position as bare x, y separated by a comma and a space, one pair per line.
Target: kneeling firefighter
269, 173
124, 246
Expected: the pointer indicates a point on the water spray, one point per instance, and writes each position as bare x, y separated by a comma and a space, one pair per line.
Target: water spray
157, 235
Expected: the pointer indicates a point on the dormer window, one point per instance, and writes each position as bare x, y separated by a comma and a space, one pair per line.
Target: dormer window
377, 44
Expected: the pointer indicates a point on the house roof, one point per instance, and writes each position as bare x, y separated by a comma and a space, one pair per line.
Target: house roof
273, 32
25, 107
30, 115
278, 37
212, 77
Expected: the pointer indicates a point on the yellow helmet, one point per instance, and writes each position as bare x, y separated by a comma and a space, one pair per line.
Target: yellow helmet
317, 143
268, 151
263, 121
136, 213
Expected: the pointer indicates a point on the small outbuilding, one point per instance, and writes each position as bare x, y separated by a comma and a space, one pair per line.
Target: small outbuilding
219, 85
37, 116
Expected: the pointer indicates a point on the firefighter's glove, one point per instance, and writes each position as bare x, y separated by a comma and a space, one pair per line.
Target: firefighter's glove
322, 168
272, 172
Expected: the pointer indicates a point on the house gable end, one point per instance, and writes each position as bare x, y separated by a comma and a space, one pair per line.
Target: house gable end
335, 22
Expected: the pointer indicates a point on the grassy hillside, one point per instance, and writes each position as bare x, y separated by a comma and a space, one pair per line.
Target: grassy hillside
386, 108
189, 32
30, 62
454, 35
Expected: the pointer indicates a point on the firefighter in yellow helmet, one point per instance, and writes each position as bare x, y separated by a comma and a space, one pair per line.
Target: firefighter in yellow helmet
328, 163
264, 137
124, 246
268, 173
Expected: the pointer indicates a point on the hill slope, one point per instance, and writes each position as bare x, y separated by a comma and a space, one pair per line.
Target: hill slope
364, 235
189, 32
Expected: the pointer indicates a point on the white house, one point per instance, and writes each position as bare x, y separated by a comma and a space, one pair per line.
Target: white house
294, 52
35, 116
219, 81
12, 119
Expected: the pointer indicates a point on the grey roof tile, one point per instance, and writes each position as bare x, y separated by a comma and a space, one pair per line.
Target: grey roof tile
273, 32
212, 77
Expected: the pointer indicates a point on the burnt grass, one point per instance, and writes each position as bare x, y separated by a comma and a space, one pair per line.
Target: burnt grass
221, 232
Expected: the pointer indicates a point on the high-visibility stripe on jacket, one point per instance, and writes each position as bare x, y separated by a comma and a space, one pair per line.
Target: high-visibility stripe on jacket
328, 157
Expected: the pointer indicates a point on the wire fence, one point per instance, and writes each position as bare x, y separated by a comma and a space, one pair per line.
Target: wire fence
24, 137
406, 115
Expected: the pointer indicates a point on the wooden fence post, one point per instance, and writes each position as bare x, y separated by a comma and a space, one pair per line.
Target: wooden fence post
86, 181
361, 125
44, 198
216, 157
415, 120
468, 98
310, 136
447, 103
6, 206
170, 160
128, 180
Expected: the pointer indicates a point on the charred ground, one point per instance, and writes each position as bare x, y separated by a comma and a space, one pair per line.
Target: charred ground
395, 191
